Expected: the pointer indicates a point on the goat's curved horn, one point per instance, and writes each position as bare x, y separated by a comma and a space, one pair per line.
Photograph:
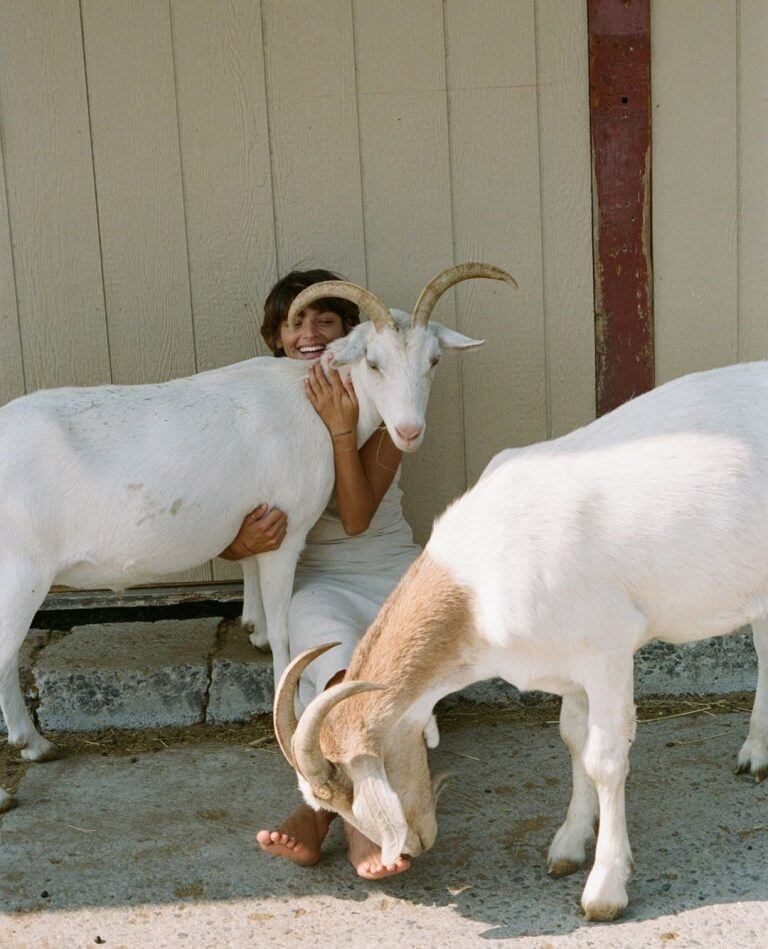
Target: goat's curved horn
309, 760
284, 714
368, 302
437, 287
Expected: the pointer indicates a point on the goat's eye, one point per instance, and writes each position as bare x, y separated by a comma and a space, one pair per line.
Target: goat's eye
373, 365
434, 361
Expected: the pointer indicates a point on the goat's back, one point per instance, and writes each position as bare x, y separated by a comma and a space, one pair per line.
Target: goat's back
661, 506
170, 468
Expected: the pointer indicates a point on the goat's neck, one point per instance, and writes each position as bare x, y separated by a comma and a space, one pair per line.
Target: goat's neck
421, 647
368, 419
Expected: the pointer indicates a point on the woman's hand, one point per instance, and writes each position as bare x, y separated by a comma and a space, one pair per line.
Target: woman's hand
261, 531
334, 400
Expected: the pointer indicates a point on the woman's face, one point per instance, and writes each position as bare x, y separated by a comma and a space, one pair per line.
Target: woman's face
312, 331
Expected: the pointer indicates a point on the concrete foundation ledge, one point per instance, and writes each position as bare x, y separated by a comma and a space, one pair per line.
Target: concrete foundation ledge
179, 672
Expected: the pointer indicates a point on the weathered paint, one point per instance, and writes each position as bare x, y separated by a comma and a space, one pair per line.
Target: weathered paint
620, 88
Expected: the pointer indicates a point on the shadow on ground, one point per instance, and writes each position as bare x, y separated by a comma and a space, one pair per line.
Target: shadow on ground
159, 847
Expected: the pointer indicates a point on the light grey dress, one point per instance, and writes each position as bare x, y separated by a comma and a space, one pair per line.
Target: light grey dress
341, 582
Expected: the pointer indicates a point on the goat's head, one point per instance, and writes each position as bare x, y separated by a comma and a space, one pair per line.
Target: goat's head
377, 779
394, 355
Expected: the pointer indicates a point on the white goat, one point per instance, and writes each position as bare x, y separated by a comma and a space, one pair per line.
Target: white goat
117, 485
565, 558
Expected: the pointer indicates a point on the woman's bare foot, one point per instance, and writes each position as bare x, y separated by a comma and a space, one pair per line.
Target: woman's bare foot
299, 837
365, 857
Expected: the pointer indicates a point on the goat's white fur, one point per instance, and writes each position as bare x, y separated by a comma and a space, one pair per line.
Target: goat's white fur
117, 485
649, 523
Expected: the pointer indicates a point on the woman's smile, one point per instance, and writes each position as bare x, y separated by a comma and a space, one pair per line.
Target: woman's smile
310, 334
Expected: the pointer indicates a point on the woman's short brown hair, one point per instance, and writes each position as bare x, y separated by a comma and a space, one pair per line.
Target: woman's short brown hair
285, 291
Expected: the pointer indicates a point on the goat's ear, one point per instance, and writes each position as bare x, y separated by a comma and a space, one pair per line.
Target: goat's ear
377, 807
351, 347
450, 339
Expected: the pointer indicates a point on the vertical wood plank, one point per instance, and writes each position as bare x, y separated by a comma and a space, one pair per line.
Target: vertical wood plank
224, 139
50, 192
753, 180
566, 207
227, 181
694, 185
129, 59
11, 365
310, 69
406, 193
495, 188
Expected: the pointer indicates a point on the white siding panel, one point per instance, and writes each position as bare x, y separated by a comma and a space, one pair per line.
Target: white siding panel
753, 180
227, 180
694, 184
51, 205
491, 58
407, 198
310, 71
138, 178
11, 365
562, 66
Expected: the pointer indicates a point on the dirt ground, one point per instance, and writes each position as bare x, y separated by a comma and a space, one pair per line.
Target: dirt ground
258, 732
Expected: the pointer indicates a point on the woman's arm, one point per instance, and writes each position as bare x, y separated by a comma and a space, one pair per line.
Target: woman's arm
262, 530
362, 477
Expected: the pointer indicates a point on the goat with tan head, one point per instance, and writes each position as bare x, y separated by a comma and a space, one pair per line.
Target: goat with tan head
562, 561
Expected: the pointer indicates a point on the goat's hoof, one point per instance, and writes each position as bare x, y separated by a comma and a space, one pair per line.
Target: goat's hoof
603, 912
40, 751
568, 849
758, 772
605, 895
753, 759
563, 866
259, 640
7, 803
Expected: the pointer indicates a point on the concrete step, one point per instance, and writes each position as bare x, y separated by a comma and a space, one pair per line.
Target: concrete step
180, 672
144, 675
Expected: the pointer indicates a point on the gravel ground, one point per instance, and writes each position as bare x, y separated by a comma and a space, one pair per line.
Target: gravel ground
151, 844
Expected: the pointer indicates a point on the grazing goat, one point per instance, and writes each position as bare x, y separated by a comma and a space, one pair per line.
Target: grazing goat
651, 523
117, 485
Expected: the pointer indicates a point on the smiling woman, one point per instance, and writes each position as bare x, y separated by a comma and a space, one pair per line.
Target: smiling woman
355, 554
310, 333
327, 319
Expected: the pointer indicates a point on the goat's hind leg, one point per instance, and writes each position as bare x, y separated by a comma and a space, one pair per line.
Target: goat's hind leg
568, 849
753, 756
22, 590
276, 573
610, 732
254, 621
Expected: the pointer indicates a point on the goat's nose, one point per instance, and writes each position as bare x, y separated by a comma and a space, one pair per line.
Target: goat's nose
409, 433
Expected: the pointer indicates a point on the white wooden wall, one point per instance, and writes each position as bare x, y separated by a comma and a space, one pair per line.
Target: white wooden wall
710, 183
164, 161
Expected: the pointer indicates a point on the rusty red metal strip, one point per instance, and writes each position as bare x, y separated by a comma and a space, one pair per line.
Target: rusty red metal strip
620, 119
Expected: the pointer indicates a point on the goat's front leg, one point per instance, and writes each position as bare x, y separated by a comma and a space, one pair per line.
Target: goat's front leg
568, 849
254, 621
22, 589
610, 733
276, 573
753, 756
